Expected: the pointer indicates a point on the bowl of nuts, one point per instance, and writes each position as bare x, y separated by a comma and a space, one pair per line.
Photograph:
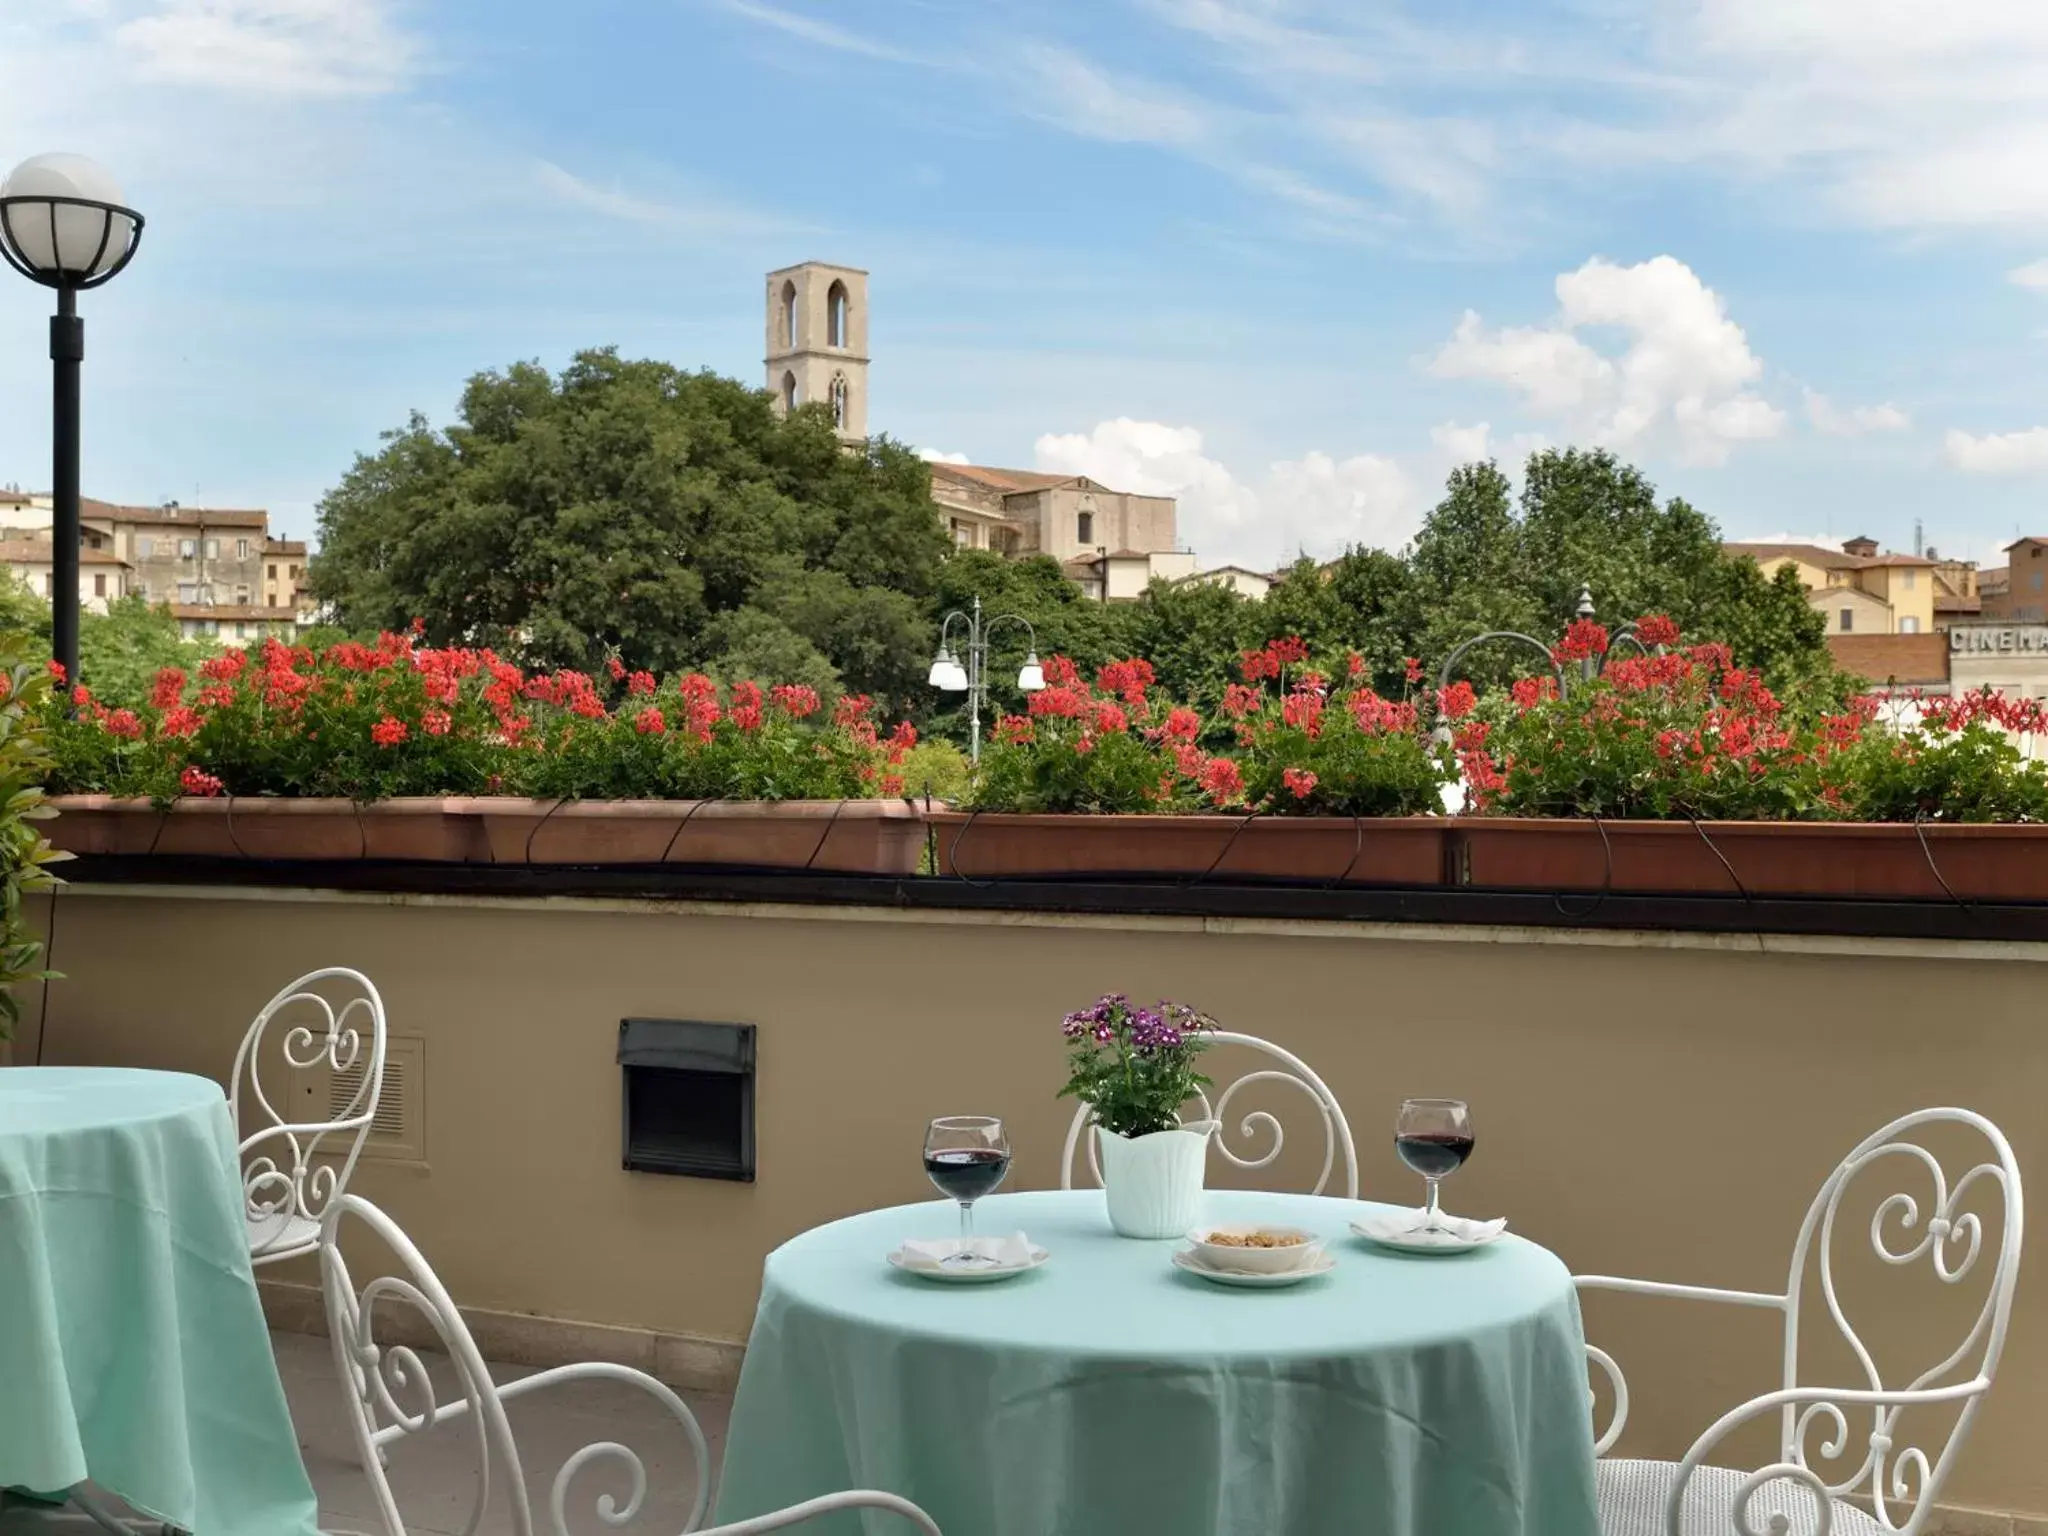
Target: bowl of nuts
1255, 1250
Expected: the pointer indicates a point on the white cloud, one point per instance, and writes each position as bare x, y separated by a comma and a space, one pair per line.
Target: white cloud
940, 456
1896, 113
1831, 420
1685, 371
1456, 445
1998, 453
271, 47
1317, 503
2033, 275
825, 34
1089, 101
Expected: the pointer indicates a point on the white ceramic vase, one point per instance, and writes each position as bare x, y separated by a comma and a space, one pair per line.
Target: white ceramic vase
1153, 1183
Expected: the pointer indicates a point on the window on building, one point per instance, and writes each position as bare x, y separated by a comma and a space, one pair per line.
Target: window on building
49, 584
145, 547
294, 573
99, 584
1909, 625
188, 592
241, 597
242, 552
213, 549
789, 391
1084, 527
241, 630
838, 399
1848, 620
2034, 581
789, 316
187, 548
273, 573
209, 626
835, 315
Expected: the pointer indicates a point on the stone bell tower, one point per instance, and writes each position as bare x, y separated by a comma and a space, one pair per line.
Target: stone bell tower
818, 341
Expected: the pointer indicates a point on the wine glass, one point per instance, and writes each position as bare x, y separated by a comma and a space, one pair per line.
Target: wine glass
966, 1156
1434, 1137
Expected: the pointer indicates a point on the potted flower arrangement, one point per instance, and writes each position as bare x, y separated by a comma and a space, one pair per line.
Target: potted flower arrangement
402, 751
1308, 780
1134, 1069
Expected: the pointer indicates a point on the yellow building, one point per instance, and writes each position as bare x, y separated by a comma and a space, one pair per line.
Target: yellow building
1860, 591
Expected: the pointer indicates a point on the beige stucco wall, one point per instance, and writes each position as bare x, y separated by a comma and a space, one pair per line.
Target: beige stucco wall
1644, 1104
1872, 615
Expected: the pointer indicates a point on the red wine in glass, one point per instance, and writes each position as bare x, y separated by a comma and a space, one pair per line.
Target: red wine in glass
1433, 1137
966, 1173
1434, 1154
966, 1156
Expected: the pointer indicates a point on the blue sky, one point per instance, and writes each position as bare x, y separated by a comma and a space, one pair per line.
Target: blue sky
1287, 259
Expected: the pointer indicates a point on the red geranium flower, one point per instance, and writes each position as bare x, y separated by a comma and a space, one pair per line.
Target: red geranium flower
389, 731
197, 781
1300, 781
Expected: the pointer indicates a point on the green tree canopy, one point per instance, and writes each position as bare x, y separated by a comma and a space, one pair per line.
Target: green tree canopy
673, 519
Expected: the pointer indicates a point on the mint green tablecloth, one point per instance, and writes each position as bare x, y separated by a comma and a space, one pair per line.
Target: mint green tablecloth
132, 1346
1107, 1394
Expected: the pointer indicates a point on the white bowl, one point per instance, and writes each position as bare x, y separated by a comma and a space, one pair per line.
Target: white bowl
1255, 1261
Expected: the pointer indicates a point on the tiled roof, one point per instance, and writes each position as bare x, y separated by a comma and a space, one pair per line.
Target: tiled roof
235, 612
1949, 603
284, 546
1908, 659
1820, 555
40, 551
192, 517
1002, 480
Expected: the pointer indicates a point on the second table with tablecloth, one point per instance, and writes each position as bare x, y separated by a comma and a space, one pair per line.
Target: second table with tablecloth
132, 1344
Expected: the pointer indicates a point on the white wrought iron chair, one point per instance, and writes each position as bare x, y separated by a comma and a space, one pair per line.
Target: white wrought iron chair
1296, 1073
389, 1383
1896, 1478
321, 1021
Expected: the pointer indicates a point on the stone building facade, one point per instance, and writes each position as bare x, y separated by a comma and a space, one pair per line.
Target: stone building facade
217, 569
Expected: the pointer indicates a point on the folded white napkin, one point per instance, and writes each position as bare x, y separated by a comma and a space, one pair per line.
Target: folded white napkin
1457, 1231
1009, 1252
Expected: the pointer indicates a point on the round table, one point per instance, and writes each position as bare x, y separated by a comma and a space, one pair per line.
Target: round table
132, 1343
1109, 1393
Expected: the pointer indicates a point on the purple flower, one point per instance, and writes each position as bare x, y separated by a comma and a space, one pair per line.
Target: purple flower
1105, 1032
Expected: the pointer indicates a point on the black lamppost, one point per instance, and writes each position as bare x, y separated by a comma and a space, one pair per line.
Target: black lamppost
62, 224
1590, 667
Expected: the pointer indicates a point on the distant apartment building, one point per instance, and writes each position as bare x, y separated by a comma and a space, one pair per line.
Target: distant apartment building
217, 569
2018, 592
29, 558
1857, 589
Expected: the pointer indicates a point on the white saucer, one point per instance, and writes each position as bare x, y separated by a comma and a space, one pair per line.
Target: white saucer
1458, 1234
1322, 1264
962, 1275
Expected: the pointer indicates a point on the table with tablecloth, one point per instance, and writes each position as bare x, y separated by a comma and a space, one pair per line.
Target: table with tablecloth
133, 1350
1108, 1394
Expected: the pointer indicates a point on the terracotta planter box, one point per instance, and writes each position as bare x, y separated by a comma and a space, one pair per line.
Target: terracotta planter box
854, 836
870, 837
1872, 860
267, 828
1404, 851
